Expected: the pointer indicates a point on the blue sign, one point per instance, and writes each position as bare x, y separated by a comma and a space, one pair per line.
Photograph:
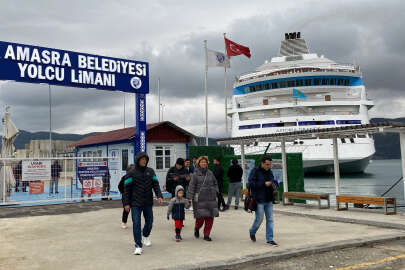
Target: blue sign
33, 64
298, 94
89, 170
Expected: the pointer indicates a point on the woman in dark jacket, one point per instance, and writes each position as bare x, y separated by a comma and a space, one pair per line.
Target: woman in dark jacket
203, 190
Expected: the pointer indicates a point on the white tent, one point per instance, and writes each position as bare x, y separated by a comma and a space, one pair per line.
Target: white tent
7, 180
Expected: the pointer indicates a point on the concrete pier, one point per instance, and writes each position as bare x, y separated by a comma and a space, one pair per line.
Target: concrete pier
59, 238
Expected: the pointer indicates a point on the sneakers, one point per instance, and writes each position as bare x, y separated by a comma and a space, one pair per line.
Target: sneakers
236, 207
146, 241
191, 208
138, 251
253, 237
226, 207
123, 225
272, 243
207, 238
196, 233
178, 238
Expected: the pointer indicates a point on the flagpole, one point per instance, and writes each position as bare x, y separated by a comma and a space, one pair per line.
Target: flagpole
206, 93
225, 85
158, 87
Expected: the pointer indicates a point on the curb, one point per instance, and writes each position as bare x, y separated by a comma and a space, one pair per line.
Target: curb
346, 220
265, 257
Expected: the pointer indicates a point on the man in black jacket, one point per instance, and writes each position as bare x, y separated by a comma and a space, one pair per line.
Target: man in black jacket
138, 198
262, 185
219, 175
176, 176
235, 173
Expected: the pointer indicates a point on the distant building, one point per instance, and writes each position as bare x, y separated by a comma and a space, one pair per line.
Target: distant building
40, 148
165, 143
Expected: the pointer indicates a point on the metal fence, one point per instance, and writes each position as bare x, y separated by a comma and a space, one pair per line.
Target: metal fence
31, 181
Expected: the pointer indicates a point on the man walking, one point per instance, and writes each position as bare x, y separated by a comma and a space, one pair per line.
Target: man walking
219, 175
138, 198
176, 176
262, 186
235, 173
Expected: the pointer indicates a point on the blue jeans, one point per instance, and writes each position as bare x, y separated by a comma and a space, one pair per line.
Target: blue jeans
136, 221
52, 184
262, 209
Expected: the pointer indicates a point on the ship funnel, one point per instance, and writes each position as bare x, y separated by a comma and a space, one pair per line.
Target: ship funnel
293, 44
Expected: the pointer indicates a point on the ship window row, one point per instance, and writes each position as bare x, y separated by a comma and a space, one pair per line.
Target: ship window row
302, 123
297, 83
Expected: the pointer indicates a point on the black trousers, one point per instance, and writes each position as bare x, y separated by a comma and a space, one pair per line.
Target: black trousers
221, 200
125, 215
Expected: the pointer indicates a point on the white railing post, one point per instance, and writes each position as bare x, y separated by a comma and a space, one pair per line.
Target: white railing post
65, 167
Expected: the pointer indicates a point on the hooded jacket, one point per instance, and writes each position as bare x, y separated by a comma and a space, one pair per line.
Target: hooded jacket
171, 184
140, 183
177, 205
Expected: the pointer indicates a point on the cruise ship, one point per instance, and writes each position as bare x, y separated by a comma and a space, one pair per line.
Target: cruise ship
301, 90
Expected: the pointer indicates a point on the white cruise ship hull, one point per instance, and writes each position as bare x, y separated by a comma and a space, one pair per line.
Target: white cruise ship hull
299, 90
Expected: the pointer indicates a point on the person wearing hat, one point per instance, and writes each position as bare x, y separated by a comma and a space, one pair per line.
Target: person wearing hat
235, 173
176, 176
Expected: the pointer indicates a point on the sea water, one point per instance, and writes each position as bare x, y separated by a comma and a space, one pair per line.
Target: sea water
379, 176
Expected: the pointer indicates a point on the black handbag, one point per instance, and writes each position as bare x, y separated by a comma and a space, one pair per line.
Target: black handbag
250, 203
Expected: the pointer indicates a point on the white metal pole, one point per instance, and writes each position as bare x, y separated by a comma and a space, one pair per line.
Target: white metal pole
336, 165
4, 182
50, 122
284, 162
242, 155
158, 87
206, 92
124, 110
64, 167
225, 96
402, 142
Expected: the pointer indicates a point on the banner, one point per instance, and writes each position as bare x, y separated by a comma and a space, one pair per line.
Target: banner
36, 187
92, 186
36, 170
277, 169
34, 64
90, 170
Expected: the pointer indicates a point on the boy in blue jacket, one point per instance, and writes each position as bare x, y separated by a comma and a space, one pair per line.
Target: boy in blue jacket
176, 208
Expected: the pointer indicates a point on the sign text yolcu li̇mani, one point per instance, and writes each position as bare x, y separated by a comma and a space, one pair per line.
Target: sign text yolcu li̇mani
54, 63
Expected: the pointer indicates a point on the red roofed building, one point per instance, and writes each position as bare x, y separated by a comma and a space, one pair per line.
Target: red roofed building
165, 143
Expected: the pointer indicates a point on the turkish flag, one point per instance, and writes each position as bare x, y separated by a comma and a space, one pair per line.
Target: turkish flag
233, 48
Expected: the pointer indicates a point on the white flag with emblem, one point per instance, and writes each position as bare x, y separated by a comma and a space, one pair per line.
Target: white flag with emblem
217, 59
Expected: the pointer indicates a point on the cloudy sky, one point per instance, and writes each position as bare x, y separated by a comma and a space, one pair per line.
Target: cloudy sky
170, 34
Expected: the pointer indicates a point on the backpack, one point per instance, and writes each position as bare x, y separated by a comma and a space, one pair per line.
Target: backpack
250, 204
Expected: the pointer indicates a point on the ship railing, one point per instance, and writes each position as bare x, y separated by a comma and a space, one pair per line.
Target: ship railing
298, 69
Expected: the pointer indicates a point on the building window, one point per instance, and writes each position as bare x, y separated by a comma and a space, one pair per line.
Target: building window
291, 84
340, 82
258, 87
163, 157
251, 88
299, 82
347, 82
333, 81
325, 81
308, 82
274, 85
317, 81
124, 155
266, 86
282, 84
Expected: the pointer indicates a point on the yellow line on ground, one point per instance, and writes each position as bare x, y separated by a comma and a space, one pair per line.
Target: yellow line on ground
390, 249
361, 265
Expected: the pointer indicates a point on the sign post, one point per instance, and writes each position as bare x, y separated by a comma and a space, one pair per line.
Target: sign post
140, 138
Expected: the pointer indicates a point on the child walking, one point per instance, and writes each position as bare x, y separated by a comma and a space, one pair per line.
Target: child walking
176, 209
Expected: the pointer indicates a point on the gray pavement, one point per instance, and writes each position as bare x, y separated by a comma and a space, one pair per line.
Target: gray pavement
94, 239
